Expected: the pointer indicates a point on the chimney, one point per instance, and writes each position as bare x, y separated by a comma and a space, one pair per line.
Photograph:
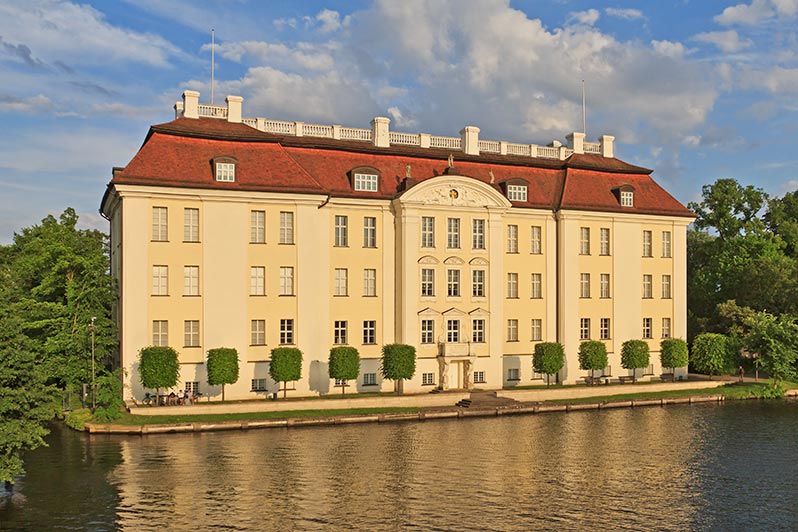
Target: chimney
607, 142
576, 141
178, 109
379, 130
469, 136
191, 104
234, 108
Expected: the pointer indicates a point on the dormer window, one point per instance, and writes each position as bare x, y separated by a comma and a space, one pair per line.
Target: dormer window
366, 182
627, 198
226, 172
516, 192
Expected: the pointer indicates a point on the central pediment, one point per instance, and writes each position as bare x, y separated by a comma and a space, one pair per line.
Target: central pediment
455, 191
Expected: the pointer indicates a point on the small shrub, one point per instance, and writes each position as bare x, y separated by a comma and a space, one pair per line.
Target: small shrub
158, 367
222, 367
286, 365
344, 364
109, 397
710, 353
634, 355
398, 363
673, 353
592, 356
549, 358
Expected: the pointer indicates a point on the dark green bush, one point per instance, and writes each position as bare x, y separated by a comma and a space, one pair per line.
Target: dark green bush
634, 355
344, 364
592, 356
673, 353
109, 397
158, 367
398, 362
222, 365
549, 358
710, 353
286, 365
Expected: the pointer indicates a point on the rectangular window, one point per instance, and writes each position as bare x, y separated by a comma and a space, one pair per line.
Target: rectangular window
190, 280
427, 331
286, 227
369, 232
646, 243
192, 387
341, 282
259, 385
666, 327
666, 287
341, 231
647, 328
369, 332
584, 285
478, 234
605, 241
257, 227
584, 328
191, 336
478, 283
286, 280
627, 198
339, 332
160, 333
257, 332
605, 286
257, 281
479, 377
287, 332
191, 225
427, 379
604, 328
647, 287
537, 286
512, 330
536, 244
366, 182
453, 283
453, 233
666, 244
478, 331
512, 239
584, 241
226, 172
159, 224
160, 280
452, 331
427, 232
516, 192
369, 282
427, 282
513, 374
369, 379
512, 285
537, 330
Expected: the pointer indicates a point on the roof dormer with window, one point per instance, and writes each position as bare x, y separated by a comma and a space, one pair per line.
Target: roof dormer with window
516, 189
224, 169
365, 179
625, 194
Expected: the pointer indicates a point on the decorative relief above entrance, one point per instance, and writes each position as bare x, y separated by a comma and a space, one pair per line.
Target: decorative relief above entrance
455, 191
458, 197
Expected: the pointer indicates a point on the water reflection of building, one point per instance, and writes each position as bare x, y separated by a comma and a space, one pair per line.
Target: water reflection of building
254, 233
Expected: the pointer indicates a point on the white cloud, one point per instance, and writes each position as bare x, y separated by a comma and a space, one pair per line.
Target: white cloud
399, 121
624, 13
727, 41
330, 20
757, 11
34, 104
305, 56
589, 17
675, 50
692, 140
775, 79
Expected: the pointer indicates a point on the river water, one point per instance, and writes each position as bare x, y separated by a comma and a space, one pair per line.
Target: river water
702, 467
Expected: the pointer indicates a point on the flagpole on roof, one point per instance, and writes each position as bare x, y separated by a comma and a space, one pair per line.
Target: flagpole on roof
213, 43
584, 119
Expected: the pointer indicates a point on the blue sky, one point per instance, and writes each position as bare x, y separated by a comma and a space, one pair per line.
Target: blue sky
695, 89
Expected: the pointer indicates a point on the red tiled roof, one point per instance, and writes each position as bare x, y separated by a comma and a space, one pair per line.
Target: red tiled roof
180, 153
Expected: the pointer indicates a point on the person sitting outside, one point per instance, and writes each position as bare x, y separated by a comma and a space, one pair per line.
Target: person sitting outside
172, 399
187, 398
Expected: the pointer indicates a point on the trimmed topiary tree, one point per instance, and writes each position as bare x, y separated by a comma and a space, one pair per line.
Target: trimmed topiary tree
222, 365
158, 368
398, 363
592, 356
634, 355
286, 365
549, 358
710, 353
673, 353
344, 365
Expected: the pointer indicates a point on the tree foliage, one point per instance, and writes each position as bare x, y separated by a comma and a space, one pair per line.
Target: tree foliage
285, 366
398, 362
673, 353
158, 367
222, 366
592, 356
775, 340
109, 397
344, 364
710, 353
548, 358
634, 356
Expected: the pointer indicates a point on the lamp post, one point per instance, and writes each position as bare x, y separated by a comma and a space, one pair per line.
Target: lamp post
93, 401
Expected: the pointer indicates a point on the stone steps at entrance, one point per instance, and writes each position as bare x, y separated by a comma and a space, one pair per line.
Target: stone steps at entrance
485, 399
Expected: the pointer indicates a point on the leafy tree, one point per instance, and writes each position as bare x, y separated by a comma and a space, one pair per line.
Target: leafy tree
548, 358
673, 353
158, 367
222, 365
634, 355
729, 208
775, 340
109, 397
286, 365
710, 353
592, 356
344, 364
398, 363
781, 219
26, 402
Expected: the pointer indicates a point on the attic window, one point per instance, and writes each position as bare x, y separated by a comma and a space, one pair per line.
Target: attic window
366, 182
516, 192
226, 172
627, 198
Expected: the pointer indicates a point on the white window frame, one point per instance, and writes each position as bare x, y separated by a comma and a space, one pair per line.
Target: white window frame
160, 280
257, 227
478, 331
259, 385
584, 285
648, 332
513, 374
584, 241
427, 232
512, 330
191, 333
191, 280
478, 233
225, 172
286, 280
428, 379
369, 332
453, 282
160, 333
604, 287
667, 249
536, 329
287, 331
369, 232
479, 377
666, 327
427, 282
257, 280
666, 287
536, 242
286, 227
517, 192
257, 332
369, 379
536, 280
453, 233
647, 288
341, 231
584, 328
604, 328
512, 285
512, 239
341, 285
340, 332
627, 198
369, 282
604, 241
647, 247
477, 283
190, 224
427, 331
366, 182
453, 331
160, 224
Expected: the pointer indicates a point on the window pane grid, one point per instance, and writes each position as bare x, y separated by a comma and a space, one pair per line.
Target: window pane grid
258, 332
191, 336
369, 282
478, 283
584, 241
427, 232
512, 239
191, 280
286, 280
453, 233
453, 283
341, 231
159, 224
366, 182
257, 281
536, 247
478, 234
369, 232
512, 285
257, 230
286, 227
605, 241
537, 286
341, 282
369, 332
191, 225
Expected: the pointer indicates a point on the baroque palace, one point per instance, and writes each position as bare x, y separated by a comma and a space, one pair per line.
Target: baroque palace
254, 233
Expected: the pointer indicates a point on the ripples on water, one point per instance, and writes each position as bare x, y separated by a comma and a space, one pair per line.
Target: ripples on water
704, 467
